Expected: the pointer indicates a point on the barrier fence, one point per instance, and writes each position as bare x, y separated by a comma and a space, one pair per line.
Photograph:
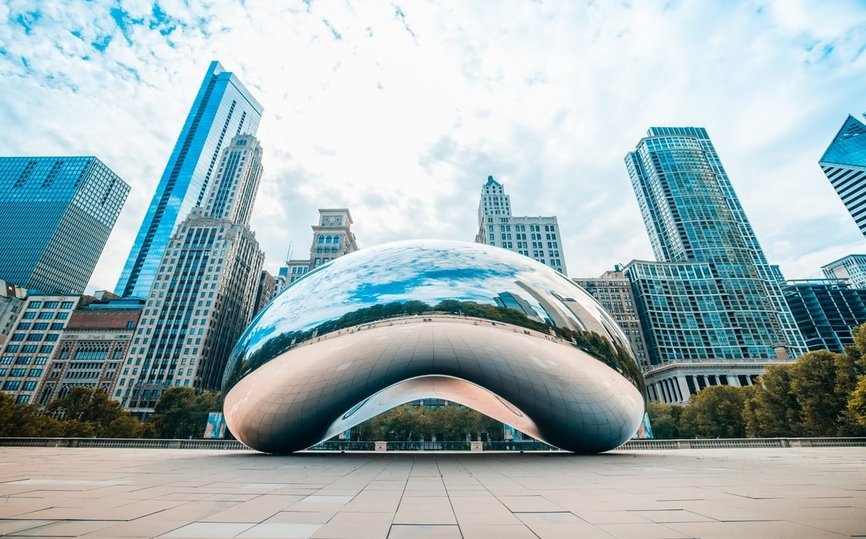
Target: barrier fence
458, 446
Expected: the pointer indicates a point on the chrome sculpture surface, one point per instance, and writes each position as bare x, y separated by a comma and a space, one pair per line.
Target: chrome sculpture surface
470, 323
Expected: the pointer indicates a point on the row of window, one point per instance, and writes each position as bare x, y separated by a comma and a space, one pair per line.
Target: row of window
51, 305
15, 385
20, 372
45, 315
23, 360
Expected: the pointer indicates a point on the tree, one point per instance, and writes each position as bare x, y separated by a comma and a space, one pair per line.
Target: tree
123, 426
772, 408
717, 411
415, 422
26, 420
664, 419
88, 412
857, 406
180, 413
857, 352
821, 382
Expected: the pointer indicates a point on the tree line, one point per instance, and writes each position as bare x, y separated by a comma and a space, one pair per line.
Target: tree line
89, 413
821, 394
412, 422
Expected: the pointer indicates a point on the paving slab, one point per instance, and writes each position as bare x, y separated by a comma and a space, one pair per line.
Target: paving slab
137, 493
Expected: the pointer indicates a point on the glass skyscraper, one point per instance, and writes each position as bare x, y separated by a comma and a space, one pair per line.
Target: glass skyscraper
826, 310
844, 164
222, 109
712, 296
204, 293
56, 214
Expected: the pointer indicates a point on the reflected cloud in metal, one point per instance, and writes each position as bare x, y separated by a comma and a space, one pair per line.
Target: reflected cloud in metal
470, 323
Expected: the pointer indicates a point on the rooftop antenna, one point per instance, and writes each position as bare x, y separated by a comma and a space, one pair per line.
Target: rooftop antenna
289, 253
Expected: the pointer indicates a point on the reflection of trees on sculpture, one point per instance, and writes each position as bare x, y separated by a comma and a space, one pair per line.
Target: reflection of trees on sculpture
598, 346
414, 422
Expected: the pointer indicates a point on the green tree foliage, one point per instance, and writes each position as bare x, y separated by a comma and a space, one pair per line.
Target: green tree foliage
83, 413
89, 412
412, 422
857, 407
772, 409
715, 412
25, 420
180, 413
857, 352
664, 419
821, 382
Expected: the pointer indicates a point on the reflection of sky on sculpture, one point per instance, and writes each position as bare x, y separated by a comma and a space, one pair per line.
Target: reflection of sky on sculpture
425, 270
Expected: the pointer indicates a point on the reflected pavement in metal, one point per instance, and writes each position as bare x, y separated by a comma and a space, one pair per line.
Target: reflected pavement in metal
470, 323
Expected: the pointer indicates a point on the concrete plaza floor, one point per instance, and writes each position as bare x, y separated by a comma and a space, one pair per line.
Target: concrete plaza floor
793, 492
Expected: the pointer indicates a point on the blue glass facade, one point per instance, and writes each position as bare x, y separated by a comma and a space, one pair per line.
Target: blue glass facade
826, 310
56, 214
222, 109
844, 164
736, 309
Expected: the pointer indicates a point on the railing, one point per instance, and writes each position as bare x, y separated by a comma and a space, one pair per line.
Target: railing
428, 446
132, 443
519, 445
513, 446
744, 443
343, 445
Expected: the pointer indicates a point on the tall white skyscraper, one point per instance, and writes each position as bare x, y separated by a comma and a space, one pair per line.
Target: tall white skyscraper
535, 237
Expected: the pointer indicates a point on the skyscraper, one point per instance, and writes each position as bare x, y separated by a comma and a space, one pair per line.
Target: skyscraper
851, 269
825, 311
266, 290
712, 298
204, 291
613, 291
56, 214
222, 109
844, 164
33, 340
535, 237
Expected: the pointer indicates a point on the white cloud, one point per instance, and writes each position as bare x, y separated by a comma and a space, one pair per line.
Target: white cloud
403, 117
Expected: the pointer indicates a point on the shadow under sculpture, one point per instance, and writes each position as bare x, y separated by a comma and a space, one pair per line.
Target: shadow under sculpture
470, 323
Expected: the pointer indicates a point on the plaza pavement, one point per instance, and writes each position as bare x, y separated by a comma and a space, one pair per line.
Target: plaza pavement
791, 492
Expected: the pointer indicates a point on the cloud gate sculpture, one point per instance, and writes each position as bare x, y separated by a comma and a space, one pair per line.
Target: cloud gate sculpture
470, 323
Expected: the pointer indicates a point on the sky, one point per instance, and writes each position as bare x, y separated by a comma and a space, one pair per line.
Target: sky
400, 111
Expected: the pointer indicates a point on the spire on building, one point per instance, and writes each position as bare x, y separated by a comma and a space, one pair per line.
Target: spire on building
535, 237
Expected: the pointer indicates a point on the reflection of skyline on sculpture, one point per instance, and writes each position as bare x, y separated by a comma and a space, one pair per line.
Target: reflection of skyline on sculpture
474, 324
418, 271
